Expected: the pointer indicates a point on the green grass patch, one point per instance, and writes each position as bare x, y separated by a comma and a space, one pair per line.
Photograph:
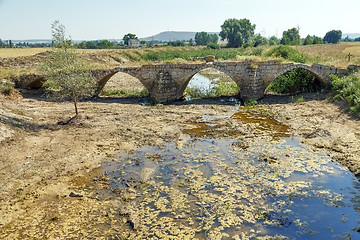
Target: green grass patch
125, 93
288, 53
348, 89
221, 89
224, 54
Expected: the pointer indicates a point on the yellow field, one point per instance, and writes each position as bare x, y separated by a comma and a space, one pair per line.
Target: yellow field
333, 54
20, 52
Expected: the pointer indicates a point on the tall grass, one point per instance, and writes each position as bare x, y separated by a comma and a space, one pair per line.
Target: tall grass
348, 89
223, 54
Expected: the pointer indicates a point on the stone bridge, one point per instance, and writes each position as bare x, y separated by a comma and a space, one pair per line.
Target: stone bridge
167, 82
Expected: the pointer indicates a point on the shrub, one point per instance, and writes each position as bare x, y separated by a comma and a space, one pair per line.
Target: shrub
6, 88
288, 53
295, 81
348, 90
213, 46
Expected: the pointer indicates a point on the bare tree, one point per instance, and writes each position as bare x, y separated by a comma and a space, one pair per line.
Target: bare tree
67, 73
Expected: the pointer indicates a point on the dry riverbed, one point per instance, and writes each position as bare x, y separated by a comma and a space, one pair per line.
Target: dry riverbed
48, 169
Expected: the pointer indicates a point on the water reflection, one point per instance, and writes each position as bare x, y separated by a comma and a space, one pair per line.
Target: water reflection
232, 189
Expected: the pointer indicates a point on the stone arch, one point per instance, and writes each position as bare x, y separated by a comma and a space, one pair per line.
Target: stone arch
105, 76
290, 67
32, 81
187, 78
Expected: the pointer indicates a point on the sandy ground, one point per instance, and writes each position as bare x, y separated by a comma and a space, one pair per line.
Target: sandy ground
48, 169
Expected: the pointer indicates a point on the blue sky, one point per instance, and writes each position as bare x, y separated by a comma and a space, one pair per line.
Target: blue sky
111, 19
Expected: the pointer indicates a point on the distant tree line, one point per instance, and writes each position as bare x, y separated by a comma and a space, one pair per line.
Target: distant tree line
237, 32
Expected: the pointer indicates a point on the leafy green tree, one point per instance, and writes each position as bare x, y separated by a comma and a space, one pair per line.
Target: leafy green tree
67, 74
203, 38
274, 41
318, 40
191, 42
333, 36
357, 39
129, 36
237, 31
291, 37
308, 40
259, 40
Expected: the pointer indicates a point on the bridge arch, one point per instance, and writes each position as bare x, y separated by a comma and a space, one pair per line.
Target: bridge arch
190, 76
106, 76
121, 83
318, 76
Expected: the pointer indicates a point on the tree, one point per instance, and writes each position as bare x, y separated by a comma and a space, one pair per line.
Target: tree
308, 40
203, 38
357, 39
237, 31
333, 36
129, 36
291, 37
318, 40
67, 74
274, 41
259, 40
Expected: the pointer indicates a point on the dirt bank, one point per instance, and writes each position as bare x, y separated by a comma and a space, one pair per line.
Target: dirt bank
48, 169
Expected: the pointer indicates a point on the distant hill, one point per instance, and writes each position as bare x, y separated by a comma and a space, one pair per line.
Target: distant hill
351, 35
173, 36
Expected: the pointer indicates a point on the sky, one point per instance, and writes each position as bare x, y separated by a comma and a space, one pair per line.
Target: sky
112, 19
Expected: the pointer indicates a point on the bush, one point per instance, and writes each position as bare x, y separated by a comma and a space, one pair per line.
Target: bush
295, 81
213, 46
288, 53
348, 90
6, 88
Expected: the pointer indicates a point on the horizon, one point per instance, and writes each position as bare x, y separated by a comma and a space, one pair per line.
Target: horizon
119, 39
92, 20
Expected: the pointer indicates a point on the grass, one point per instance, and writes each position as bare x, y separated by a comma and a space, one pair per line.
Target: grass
221, 89
20, 52
6, 87
125, 93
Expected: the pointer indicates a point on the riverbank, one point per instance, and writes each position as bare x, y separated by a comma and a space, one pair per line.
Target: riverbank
49, 169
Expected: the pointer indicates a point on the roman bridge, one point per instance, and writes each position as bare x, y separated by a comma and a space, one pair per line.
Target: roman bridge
167, 82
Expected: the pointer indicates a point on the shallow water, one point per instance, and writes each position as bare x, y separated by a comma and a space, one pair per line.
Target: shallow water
236, 189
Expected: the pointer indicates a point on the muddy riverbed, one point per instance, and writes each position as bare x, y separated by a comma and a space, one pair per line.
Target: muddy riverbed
74, 181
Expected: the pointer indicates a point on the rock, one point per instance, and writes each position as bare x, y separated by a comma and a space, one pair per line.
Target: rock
72, 194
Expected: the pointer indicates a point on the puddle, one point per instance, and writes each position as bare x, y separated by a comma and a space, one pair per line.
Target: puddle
234, 189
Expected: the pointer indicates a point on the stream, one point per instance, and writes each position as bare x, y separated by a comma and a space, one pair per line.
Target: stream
242, 186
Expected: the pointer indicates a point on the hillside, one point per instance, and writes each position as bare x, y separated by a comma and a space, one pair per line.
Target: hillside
172, 36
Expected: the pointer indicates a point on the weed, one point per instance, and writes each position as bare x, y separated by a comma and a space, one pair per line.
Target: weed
6, 88
300, 99
251, 102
